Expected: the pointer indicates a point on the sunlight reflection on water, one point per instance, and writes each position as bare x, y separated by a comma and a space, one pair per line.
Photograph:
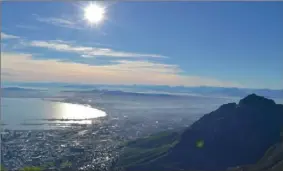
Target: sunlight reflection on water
77, 111
41, 114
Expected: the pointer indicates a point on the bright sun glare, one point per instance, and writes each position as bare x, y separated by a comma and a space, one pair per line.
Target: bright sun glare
94, 13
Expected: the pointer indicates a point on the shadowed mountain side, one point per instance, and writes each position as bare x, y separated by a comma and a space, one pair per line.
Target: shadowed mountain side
232, 135
271, 161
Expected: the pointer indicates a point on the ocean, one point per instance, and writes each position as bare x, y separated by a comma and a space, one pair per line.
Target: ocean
33, 113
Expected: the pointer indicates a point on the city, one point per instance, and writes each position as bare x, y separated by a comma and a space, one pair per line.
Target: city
80, 146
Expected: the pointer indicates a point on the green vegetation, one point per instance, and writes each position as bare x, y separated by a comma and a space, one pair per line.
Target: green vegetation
32, 168
145, 150
66, 164
153, 141
49, 164
2, 168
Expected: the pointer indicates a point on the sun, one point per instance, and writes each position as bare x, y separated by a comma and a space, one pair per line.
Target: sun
94, 13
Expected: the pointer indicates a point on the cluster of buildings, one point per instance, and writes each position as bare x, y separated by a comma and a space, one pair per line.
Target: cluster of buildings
80, 148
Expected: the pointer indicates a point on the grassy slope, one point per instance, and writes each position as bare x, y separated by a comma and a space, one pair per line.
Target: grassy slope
142, 152
145, 150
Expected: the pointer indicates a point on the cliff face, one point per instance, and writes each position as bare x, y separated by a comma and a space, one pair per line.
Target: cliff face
271, 161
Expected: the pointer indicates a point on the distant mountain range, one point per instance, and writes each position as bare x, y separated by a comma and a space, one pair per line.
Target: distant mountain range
202, 90
234, 136
22, 92
17, 89
119, 93
161, 91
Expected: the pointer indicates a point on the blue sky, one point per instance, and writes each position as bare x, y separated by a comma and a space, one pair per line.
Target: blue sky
230, 44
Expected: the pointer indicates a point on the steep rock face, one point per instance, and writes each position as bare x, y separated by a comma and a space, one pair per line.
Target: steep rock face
271, 161
231, 135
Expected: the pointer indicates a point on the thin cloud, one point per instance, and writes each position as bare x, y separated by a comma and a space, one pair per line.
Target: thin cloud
8, 36
60, 22
28, 27
82, 51
25, 68
86, 51
148, 66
